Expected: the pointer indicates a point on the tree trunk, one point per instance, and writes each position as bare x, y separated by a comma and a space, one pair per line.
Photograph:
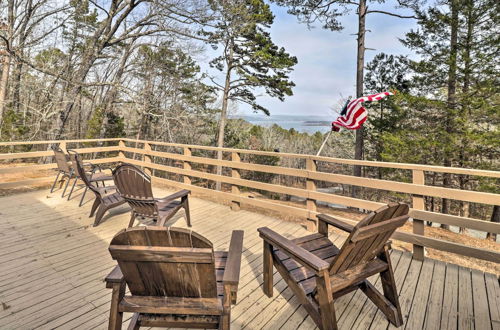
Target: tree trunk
4, 79
452, 89
379, 146
358, 149
64, 113
464, 212
223, 114
18, 68
4, 85
16, 86
495, 217
97, 43
465, 206
471, 21
112, 93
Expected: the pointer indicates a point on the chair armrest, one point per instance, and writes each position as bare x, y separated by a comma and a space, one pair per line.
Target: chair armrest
179, 194
295, 252
233, 262
106, 190
100, 167
336, 222
115, 276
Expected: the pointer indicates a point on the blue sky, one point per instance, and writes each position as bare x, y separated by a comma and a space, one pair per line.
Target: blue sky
326, 71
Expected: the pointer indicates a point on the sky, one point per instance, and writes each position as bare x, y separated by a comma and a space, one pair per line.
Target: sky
326, 69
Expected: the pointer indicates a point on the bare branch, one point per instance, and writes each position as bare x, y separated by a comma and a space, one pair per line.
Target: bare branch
389, 13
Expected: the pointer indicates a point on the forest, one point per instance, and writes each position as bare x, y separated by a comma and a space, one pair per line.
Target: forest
129, 68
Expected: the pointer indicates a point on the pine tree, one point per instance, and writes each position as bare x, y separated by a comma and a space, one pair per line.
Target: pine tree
250, 60
385, 72
457, 43
328, 12
171, 93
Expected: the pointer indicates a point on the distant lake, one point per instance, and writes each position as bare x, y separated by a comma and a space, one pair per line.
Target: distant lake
304, 124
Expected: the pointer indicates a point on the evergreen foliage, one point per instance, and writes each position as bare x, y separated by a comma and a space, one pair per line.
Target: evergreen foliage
248, 53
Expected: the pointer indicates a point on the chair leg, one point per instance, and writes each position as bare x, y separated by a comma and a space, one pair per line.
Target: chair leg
72, 187
225, 319
116, 317
83, 196
94, 207
66, 186
390, 289
161, 221
55, 181
383, 303
185, 202
325, 300
132, 220
61, 181
99, 215
134, 322
268, 270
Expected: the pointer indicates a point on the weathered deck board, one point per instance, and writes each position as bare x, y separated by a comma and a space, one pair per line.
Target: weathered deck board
53, 263
416, 316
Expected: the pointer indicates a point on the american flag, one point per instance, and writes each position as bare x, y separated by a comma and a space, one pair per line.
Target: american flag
354, 114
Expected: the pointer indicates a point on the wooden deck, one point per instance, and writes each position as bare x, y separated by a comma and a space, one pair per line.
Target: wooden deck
53, 263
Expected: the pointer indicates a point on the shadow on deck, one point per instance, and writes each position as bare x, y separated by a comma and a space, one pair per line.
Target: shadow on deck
53, 263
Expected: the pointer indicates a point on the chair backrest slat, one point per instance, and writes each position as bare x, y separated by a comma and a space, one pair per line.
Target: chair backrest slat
135, 187
369, 236
75, 160
170, 262
77, 163
61, 160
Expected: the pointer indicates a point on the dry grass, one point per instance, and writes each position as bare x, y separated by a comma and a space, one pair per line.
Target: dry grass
21, 176
434, 232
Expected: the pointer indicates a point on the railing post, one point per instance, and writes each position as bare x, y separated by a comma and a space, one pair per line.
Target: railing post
418, 204
121, 145
187, 166
235, 173
312, 221
147, 158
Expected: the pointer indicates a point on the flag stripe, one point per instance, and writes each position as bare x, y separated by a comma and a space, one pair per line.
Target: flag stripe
356, 114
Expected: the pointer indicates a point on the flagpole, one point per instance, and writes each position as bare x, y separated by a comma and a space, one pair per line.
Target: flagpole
324, 142
330, 133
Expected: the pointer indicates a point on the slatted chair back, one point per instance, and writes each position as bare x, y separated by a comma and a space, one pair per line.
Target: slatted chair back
74, 162
61, 160
77, 163
165, 261
369, 236
135, 187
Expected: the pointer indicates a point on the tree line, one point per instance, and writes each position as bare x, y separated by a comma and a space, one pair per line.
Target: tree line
96, 69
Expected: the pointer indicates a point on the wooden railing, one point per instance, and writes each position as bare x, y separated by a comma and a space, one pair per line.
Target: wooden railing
184, 159
41, 152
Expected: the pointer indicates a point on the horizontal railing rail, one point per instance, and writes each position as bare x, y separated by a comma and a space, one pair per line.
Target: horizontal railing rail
64, 144
427, 168
183, 161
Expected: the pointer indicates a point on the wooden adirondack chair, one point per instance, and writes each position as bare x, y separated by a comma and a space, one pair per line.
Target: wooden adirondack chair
318, 272
106, 198
175, 278
135, 187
